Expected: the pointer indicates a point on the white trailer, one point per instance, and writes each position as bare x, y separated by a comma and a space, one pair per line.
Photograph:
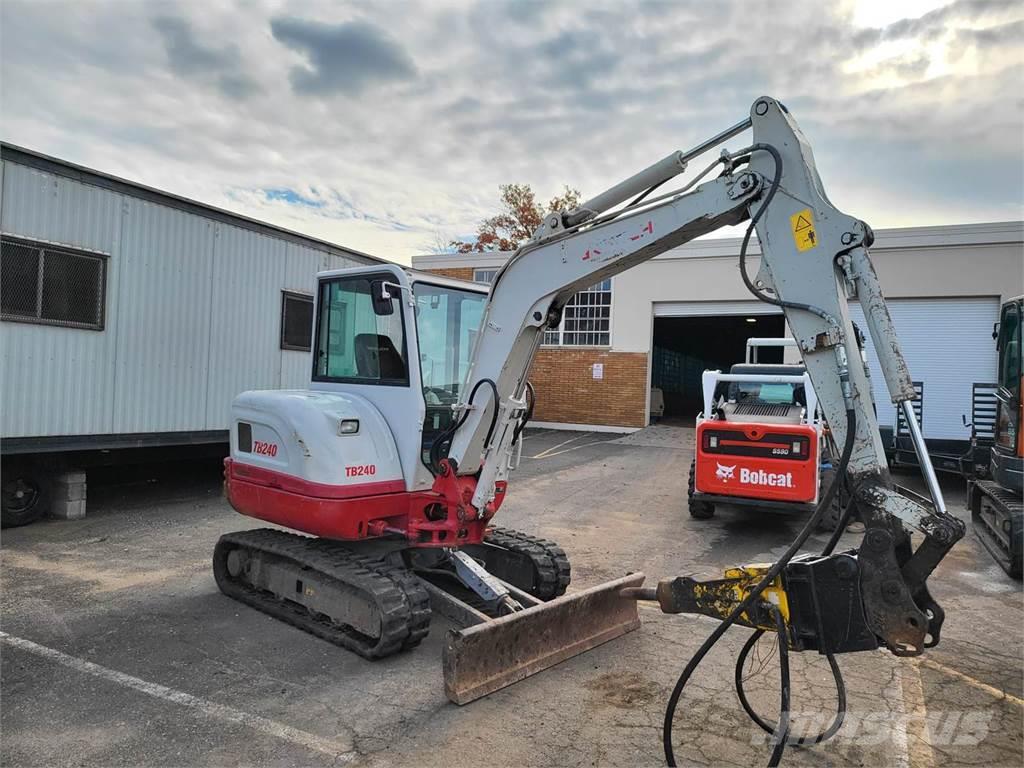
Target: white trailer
132, 317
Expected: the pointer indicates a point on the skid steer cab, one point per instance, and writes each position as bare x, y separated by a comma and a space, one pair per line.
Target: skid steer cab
761, 442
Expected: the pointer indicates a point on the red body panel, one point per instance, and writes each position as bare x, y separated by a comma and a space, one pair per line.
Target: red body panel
440, 517
777, 462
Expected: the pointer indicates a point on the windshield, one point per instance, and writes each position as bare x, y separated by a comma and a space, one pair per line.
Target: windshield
768, 394
447, 322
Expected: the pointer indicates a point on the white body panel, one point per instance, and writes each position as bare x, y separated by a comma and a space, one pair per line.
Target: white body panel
193, 314
296, 432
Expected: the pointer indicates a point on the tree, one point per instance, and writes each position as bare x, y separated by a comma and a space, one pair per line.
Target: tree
519, 218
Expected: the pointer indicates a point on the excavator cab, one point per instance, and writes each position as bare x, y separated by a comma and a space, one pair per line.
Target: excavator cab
402, 340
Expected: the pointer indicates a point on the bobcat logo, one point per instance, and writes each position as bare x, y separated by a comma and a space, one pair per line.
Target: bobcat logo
725, 474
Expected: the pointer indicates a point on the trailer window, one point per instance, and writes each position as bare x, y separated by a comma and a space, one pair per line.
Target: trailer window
296, 321
353, 343
51, 285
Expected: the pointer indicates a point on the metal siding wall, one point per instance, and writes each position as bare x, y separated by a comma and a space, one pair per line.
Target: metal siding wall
948, 345
246, 317
59, 381
164, 305
193, 315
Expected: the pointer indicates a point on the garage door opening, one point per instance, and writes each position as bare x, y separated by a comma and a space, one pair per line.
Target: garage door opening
684, 347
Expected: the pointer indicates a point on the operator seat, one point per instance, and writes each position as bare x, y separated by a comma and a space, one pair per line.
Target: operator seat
377, 358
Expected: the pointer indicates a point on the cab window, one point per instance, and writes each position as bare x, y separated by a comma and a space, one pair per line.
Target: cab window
355, 342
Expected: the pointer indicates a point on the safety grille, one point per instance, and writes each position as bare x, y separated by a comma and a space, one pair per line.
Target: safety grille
52, 285
762, 409
984, 407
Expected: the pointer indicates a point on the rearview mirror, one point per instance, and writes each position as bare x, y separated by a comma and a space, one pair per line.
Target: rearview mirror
381, 298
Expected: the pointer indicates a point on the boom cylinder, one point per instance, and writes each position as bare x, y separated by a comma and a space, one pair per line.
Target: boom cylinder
660, 172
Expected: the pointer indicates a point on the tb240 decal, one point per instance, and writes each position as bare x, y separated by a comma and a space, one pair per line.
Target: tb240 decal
361, 470
264, 449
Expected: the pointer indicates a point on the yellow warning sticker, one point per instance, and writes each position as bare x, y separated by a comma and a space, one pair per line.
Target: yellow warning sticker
804, 235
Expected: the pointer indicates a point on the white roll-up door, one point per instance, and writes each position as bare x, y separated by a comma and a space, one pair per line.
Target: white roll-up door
948, 346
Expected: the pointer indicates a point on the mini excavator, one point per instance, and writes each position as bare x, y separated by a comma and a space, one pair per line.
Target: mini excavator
395, 461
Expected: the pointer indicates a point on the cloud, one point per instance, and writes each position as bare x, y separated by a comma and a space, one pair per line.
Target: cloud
189, 58
400, 126
345, 58
293, 197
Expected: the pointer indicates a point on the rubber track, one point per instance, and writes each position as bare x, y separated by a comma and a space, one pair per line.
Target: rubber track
402, 602
549, 560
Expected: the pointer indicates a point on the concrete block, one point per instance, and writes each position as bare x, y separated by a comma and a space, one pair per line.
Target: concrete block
68, 510
74, 476
69, 491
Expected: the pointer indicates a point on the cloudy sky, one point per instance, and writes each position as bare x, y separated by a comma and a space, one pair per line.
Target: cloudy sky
387, 126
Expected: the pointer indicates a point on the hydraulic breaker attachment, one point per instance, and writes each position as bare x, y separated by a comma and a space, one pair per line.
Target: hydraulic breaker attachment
493, 653
818, 598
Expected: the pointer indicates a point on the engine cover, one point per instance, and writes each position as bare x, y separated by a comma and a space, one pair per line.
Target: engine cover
776, 462
298, 436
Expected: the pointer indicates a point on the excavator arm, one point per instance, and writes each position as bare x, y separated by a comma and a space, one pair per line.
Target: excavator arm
813, 258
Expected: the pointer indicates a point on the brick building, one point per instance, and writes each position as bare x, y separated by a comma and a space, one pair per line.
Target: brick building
661, 324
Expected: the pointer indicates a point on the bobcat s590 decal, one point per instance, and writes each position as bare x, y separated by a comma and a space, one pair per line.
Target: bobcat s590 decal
778, 462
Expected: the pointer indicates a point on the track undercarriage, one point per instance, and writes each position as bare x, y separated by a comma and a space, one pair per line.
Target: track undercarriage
370, 598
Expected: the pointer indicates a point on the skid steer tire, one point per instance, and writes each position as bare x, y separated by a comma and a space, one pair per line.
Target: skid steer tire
26, 495
699, 510
830, 520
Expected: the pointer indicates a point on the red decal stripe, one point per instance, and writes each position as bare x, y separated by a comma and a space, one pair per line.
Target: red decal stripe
292, 484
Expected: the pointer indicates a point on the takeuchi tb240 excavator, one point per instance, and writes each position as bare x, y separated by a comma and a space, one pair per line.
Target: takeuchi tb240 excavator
396, 460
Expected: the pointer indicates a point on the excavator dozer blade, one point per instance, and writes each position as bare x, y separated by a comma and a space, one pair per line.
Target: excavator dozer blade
480, 659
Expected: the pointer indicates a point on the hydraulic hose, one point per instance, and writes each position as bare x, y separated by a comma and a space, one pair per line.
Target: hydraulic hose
435, 447
772, 189
531, 398
770, 575
769, 727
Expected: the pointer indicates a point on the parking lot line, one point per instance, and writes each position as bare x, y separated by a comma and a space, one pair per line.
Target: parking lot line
997, 693
546, 451
342, 752
915, 747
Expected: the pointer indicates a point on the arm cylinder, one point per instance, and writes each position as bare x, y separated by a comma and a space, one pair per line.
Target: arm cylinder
879, 322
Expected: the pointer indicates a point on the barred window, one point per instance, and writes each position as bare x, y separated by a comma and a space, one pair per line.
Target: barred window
586, 319
51, 284
484, 275
296, 321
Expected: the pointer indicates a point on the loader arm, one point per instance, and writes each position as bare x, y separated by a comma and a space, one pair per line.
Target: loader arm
813, 256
